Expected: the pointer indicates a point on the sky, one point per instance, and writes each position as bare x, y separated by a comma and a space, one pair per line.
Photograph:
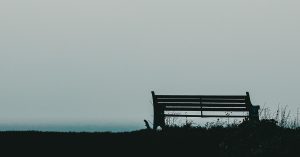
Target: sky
96, 61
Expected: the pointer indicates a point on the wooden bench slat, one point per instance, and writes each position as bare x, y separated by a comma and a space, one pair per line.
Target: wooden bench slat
223, 100
178, 100
203, 105
231, 116
178, 96
203, 96
205, 109
203, 100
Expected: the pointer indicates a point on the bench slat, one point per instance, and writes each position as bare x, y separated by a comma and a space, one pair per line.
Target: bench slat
203, 105
231, 116
203, 100
203, 96
224, 100
178, 100
204, 109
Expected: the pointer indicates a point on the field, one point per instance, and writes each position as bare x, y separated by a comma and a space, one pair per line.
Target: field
263, 139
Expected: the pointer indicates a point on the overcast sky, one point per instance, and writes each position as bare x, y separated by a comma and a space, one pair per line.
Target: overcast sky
96, 61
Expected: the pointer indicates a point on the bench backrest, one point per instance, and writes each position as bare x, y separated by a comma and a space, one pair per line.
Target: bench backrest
226, 103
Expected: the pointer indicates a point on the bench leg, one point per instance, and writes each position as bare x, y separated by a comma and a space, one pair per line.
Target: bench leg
159, 118
253, 114
158, 110
155, 121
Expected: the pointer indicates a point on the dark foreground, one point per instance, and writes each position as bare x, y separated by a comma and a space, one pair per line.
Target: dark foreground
239, 141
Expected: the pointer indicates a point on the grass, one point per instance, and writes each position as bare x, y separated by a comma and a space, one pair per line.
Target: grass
272, 136
264, 138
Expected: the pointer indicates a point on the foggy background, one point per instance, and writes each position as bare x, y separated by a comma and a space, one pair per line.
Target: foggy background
91, 62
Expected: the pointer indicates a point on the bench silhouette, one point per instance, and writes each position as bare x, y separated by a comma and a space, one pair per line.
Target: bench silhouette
202, 103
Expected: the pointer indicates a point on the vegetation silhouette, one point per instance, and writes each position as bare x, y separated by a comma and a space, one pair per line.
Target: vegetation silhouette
262, 138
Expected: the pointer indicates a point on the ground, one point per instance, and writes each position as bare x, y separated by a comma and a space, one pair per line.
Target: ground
247, 140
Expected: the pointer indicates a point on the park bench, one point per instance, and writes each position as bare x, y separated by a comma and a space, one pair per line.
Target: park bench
164, 104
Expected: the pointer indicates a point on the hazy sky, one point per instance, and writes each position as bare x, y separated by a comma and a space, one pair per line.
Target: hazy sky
96, 61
